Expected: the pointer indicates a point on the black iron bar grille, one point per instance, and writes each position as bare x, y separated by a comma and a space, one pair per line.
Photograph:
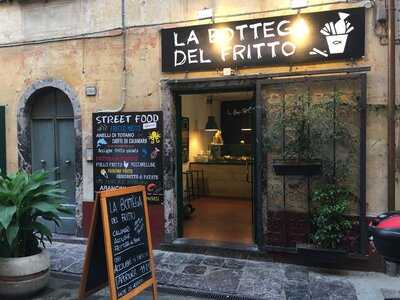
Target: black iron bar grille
334, 134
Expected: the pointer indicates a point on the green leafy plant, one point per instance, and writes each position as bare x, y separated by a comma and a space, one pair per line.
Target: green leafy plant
25, 201
309, 127
294, 120
328, 220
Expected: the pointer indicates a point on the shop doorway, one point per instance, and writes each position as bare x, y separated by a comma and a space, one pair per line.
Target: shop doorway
53, 145
216, 137
268, 90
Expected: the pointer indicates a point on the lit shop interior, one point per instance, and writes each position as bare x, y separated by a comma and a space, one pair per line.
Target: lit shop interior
217, 166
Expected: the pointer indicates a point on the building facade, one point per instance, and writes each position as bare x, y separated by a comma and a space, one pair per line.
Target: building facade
62, 60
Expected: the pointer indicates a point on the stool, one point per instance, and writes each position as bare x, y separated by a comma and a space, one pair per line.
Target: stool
188, 209
189, 191
200, 188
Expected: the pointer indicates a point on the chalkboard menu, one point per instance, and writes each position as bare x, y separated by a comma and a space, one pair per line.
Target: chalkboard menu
127, 151
95, 267
128, 241
126, 249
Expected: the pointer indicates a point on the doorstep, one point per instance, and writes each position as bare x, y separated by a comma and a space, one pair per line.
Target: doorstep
290, 255
215, 248
71, 239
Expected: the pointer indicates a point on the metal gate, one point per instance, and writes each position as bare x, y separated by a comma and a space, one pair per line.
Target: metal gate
334, 136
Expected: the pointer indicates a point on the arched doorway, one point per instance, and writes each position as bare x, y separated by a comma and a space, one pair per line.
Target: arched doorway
52, 142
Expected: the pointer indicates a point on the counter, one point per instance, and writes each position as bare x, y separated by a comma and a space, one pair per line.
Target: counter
226, 178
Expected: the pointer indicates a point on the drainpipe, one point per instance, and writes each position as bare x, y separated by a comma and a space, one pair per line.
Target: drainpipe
124, 53
391, 106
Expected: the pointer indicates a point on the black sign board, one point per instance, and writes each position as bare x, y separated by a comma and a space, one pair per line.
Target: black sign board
127, 151
95, 267
311, 37
119, 245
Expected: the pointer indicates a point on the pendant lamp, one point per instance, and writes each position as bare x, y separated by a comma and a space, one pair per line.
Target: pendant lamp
211, 123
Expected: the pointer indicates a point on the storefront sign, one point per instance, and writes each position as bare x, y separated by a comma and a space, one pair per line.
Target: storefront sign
127, 150
312, 37
119, 246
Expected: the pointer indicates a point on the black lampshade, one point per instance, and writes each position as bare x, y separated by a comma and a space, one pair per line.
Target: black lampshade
211, 124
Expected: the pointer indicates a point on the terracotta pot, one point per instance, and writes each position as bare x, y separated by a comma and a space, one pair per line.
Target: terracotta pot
24, 276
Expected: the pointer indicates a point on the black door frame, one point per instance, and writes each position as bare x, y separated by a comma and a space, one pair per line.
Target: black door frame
177, 95
173, 89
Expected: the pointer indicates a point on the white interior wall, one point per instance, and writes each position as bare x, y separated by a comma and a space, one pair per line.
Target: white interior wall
196, 109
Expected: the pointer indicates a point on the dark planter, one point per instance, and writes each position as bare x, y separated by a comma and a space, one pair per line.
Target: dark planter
292, 167
315, 254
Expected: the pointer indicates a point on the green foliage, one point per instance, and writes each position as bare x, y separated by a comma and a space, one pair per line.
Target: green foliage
328, 220
25, 200
304, 128
309, 127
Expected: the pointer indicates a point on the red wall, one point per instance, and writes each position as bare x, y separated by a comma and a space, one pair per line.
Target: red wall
156, 215
288, 228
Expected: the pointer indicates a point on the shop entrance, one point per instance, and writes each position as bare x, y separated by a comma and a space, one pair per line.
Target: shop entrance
216, 135
340, 98
53, 146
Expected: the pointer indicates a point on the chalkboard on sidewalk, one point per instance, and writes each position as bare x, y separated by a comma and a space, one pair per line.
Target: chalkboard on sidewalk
119, 250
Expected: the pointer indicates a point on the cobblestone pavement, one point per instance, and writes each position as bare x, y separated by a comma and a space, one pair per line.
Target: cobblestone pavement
251, 279
63, 289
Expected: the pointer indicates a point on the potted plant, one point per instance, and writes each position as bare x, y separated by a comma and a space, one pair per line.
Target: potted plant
25, 201
329, 223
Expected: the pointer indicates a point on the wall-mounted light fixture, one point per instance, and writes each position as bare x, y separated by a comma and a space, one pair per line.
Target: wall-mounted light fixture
228, 72
300, 30
205, 13
222, 36
368, 4
299, 4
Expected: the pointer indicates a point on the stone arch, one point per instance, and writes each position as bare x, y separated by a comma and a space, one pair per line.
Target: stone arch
24, 133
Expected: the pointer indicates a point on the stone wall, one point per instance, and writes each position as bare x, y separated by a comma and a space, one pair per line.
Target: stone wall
62, 53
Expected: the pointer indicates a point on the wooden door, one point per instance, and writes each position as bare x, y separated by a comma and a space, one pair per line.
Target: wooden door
53, 146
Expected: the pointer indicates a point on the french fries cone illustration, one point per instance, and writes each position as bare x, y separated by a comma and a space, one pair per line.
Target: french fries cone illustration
337, 43
337, 34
